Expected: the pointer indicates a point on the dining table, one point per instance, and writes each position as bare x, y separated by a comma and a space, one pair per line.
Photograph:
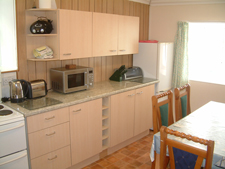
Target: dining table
207, 122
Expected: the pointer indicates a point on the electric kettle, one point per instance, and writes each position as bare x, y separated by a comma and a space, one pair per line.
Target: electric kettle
17, 93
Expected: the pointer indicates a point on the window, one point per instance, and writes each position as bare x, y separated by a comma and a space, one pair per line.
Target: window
8, 41
206, 51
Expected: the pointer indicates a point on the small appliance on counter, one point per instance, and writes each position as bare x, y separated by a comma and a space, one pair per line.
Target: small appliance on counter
71, 78
36, 88
20, 90
17, 91
127, 74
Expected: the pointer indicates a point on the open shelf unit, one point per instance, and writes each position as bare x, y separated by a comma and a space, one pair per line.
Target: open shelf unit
105, 122
37, 40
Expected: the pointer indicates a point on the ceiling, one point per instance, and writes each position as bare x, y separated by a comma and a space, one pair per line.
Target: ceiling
177, 2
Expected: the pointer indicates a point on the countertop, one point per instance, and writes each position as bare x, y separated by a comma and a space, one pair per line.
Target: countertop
100, 90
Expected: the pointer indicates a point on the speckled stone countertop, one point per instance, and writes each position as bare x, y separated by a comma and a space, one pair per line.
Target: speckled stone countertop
100, 90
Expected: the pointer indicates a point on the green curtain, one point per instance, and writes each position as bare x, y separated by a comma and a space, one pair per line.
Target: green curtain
180, 64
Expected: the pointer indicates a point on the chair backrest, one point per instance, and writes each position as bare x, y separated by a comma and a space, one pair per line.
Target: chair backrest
162, 110
182, 101
184, 156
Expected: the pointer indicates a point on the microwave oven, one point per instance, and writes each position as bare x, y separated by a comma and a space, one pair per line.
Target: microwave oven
70, 80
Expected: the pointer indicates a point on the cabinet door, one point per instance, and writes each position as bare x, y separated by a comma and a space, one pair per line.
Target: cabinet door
128, 35
122, 117
66, 34
143, 109
86, 130
82, 34
105, 34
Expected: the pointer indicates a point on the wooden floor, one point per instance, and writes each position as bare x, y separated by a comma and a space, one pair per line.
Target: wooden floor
135, 155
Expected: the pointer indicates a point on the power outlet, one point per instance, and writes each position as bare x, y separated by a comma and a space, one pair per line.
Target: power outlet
6, 80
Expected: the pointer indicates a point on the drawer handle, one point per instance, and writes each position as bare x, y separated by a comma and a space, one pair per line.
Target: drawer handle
66, 53
140, 92
76, 110
49, 118
112, 50
52, 158
50, 134
130, 95
123, 50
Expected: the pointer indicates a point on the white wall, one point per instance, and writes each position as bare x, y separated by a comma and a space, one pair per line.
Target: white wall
163, 26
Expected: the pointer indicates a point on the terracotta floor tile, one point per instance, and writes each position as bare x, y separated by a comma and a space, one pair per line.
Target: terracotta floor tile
112, 159
133, 156
97, 166
104, 163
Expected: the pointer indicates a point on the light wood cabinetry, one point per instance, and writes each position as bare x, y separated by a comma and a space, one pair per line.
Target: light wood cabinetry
75, 34
48, 135
105, 122
143, 109
71, 36
58, 159
131, 114
128, 35
105, 34
86, 130
115, 34
34, 41
122, 117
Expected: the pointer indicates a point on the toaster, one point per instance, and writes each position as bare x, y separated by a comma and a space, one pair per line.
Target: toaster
36, 88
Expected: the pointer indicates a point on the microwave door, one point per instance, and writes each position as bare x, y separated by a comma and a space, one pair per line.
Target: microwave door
76, 81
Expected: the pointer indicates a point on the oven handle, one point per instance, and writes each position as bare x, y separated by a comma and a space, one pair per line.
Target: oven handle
18, 126
23, 155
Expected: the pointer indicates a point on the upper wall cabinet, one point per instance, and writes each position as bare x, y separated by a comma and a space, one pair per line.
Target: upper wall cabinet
75, 34
71, 36
105, 34
80, 34
115, 34
128, 35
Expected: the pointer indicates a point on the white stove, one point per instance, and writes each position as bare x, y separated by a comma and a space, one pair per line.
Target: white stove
13, 154
8, 115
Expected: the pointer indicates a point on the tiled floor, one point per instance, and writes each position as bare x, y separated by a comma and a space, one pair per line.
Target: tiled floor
135, 155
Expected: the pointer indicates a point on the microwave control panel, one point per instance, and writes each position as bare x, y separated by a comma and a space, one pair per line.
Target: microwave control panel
90, 77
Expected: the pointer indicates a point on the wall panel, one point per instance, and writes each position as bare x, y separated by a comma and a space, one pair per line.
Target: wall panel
104, 66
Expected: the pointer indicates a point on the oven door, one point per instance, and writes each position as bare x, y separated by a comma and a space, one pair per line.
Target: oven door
75, 81
12, 138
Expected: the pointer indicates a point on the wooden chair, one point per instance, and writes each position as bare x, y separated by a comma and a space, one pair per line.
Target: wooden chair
162, 110
181, 155
182, 101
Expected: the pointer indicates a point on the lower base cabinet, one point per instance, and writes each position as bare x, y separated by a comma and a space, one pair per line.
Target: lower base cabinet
59, 159
86, 130
131, 114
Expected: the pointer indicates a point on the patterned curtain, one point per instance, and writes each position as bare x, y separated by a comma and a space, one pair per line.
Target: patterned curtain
180, 64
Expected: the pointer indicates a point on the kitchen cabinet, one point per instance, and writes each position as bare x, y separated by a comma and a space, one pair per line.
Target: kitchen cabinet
86, 130
115, 34
143, 109
131, 114
48, 135
128, 35
105, 34
71, 36
75, 34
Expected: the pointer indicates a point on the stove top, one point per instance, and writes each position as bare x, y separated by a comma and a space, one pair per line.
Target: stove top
8, 115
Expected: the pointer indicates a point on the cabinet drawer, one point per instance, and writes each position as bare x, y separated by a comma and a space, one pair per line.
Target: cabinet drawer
59, 159
49, 119
47, 140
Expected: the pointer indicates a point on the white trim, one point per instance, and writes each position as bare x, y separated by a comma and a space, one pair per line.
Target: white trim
184, 2
142, 1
